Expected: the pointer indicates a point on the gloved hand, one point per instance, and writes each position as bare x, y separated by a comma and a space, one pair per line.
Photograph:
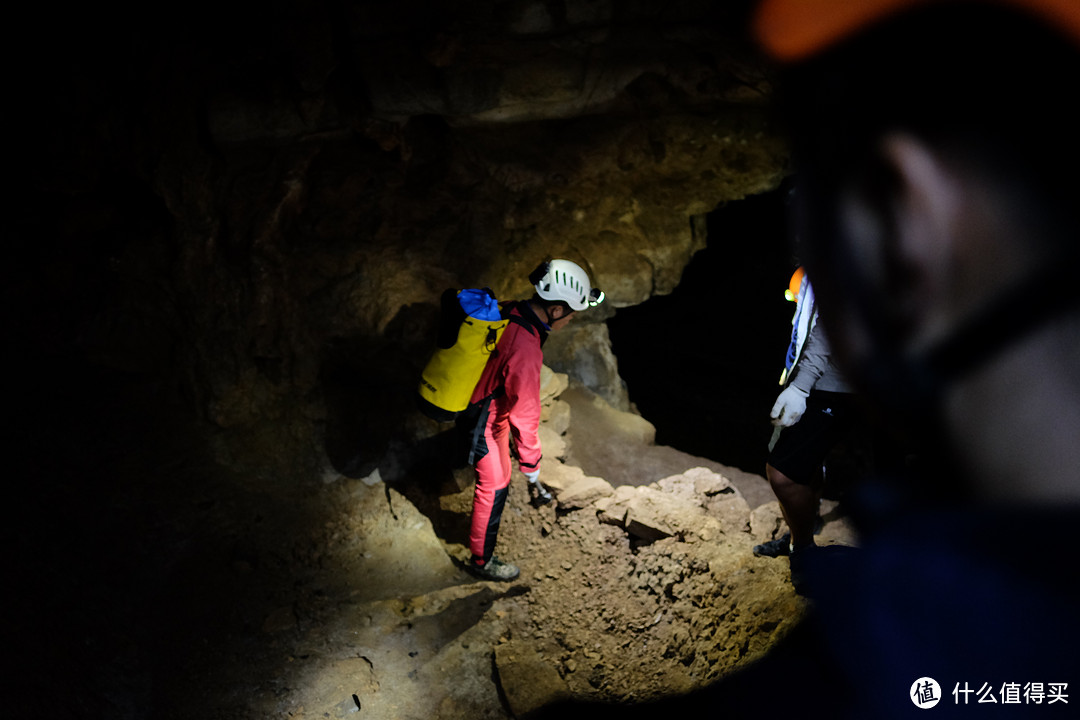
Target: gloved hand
789, 407
542, 495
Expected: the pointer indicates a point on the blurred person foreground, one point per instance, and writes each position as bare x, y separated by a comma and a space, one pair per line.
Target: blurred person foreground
935, 148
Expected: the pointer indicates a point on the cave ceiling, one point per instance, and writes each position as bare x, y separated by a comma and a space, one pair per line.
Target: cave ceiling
228, 192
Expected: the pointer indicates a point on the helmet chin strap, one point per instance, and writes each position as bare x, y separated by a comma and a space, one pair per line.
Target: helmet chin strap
550, 320
546, 320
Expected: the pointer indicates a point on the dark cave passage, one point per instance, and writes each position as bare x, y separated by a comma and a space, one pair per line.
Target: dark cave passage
702, 363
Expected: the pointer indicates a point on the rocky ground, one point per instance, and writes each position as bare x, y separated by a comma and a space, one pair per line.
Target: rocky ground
346, 597
625, 593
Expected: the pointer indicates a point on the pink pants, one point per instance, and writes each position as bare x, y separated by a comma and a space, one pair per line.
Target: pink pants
492, 484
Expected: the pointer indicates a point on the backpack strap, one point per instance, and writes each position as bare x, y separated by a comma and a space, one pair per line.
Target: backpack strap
526, 318
518, 320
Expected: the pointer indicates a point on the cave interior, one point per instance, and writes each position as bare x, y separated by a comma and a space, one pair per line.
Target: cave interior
228, 232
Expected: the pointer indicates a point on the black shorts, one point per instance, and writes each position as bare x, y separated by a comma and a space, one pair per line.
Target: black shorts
799, 450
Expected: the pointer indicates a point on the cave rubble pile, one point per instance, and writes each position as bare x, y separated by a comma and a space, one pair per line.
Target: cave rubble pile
626, 592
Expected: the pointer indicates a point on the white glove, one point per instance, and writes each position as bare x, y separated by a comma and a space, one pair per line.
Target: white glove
789, 407
532, 476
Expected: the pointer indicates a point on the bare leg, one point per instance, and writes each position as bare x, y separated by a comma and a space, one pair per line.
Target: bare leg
799, 503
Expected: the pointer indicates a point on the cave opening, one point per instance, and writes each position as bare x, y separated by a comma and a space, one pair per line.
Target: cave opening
703, 363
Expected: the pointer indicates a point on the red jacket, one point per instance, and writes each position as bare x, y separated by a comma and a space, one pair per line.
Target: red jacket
512, 375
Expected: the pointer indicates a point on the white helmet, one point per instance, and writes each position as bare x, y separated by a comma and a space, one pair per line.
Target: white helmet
565, 280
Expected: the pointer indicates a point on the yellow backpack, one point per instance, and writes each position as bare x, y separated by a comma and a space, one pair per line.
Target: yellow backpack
470, 328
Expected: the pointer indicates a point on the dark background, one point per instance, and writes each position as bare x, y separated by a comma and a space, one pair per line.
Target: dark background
703, 363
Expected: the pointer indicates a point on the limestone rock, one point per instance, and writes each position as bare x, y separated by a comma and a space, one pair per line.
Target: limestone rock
767, 522
552, 444
463, 478
527, 681
611, 510
573, 489
555, 414
652, 514
699, 482
731, 511
609, 437
586, 351
714, 493
552, 383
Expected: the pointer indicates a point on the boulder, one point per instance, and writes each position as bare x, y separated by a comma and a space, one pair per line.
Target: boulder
731, 511
651, 514
714, 493
611, 510
573, 489
698, 482
767, 522
556, 415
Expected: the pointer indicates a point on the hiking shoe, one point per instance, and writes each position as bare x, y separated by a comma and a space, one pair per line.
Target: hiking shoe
774, 548
494, 569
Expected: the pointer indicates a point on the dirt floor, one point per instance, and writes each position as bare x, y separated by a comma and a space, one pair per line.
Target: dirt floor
383, 621
198, 591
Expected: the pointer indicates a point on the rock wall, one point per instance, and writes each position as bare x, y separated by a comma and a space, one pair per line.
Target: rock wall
264, 203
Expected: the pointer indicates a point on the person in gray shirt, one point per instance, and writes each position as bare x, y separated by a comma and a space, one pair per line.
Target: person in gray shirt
812, 413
